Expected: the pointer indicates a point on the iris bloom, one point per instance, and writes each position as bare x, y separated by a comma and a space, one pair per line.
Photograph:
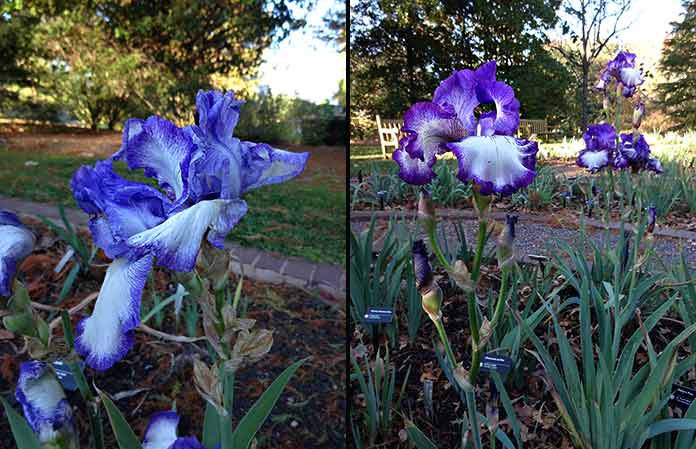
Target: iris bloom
202, 171
622, 69
635, 153
16, 243
600, 142
161, 433
485, 146
45, 406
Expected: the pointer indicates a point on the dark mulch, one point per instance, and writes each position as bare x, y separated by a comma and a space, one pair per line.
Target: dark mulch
309, 414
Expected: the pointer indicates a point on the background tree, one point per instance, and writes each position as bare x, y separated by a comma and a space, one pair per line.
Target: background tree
676, 95
401, 51
591, 24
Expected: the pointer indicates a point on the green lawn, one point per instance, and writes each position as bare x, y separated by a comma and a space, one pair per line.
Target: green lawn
304, 217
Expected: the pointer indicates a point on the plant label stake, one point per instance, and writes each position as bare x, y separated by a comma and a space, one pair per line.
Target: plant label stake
378, 315
64, 374
501, 364
682, 397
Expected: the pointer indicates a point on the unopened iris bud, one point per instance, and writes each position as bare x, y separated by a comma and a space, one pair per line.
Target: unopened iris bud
638, 112
652, 217
426, 212
431, 294
505, 242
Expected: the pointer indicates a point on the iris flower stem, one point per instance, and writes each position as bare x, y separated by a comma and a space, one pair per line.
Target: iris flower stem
445, 342
473, 417
473, 316
500, 306
617, 127
432, 237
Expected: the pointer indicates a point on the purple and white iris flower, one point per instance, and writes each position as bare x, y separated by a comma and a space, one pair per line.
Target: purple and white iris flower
161, 433
45, 406
635, 153
485, 146
600, 142
16, 243
202, 171
622, 69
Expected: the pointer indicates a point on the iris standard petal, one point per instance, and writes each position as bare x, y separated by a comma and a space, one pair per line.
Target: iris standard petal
600, 137
16, 243
263, 165
44, 403
431, 125
497, 164
163, 150
106, 336
507, 117
177, 240
593, 160
161, 430
459, 92
413, 170
217, 114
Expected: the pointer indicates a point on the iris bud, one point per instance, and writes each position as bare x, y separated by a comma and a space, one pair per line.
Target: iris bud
426, 212
652, 216
638, 112
431, 300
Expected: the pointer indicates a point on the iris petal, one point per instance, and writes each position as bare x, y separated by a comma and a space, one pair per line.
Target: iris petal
507, 117
105, 337
432, 125
16, 243
459, 92
497, 164
163, 150
264, 165
413, 170
161, 430
44, 403
593, 160
176, 241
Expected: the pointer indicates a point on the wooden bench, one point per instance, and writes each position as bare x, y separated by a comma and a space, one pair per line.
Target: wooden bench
390, 131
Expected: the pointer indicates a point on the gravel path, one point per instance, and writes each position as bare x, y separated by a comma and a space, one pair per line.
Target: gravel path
538, 239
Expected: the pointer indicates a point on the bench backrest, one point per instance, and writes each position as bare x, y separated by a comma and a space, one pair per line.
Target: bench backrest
390, 130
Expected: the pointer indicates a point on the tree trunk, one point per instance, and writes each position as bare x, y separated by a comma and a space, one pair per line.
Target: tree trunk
584, 95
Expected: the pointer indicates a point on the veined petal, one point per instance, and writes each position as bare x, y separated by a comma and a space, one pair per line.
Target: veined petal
497, 164
16, 243
177, 240
163, 150
593, 160
600, 137
102, 235
432, 125
507, 117
44, 403
413, 170
459, 92
631, 77
105, 337
161, 430
263, 165
218, 114
654, 165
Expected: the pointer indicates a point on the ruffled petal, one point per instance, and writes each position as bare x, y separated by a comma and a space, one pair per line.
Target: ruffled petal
600, 137
497, 164
105, 337
163, 150
177, 240
631, 77
127, 207
161, 430
9, 218
507, 118
654, 165
44, 403
413, 170
16, 243
217, 114
593, 160
432, 125
263, 165
459, 92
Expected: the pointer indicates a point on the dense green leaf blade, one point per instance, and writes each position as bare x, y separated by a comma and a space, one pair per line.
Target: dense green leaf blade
419, 439
255, 417
124, 434
23, 435
211, 426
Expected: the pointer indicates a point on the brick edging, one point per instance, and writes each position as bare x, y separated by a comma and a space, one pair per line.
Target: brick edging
253, 263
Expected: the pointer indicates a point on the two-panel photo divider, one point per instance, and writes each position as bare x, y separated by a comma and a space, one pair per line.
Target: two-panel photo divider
365, 224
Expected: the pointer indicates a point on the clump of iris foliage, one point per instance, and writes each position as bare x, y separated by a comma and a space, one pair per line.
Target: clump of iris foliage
608, 292
201, 173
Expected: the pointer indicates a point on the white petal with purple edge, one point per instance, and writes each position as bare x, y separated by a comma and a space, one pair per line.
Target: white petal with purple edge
459, 91
275, 166
16, 243
593, 160
431, 124
105, 337
161, 430
177, 240
413, 170
631, 77
497, 164
162, 149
